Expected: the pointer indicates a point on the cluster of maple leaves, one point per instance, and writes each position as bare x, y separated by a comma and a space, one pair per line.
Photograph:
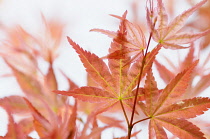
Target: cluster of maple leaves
124, 84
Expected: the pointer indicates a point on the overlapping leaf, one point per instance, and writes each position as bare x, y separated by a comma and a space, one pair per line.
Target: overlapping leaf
113, 82
54, 126
116, 81
131, 38
15, 130
192, 90
168, 110
203, 15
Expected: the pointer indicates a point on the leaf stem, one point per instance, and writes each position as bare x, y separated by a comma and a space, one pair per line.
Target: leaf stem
141, 120
124, 112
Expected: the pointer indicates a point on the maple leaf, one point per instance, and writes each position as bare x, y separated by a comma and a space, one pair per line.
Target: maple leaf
29, 47
53, 34
130, 40
15, 130
28, 83
36, 86
192, 90
168, 34
54, 126
167, 74
203, 14
168, 110
19, 43
114, 85
88, 108
16, 104
95, 130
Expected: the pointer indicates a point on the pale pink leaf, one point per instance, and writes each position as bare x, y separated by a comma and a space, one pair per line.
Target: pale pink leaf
185, 38
96, 68
158, 129
179, 21
181, 128
188, 108
162, 19
111, 34
176, 88
89, 94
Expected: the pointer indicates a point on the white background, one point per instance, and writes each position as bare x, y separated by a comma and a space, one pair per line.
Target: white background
81, 16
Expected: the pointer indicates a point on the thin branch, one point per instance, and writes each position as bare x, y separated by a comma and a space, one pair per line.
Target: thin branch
130, 126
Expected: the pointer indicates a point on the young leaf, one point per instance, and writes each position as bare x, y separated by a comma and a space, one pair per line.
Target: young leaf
129, 38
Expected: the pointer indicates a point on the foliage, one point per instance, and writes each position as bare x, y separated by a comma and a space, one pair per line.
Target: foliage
123, 82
